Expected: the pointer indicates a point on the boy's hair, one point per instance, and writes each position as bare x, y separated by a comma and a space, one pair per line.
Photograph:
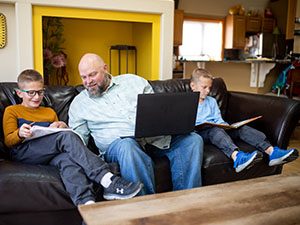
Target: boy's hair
199, 72
29, 75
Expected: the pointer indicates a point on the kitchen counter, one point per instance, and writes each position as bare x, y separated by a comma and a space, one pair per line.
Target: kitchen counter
251, 75
263, 60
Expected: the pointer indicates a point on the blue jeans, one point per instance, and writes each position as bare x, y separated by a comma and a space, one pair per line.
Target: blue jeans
223, 140
185, 155
77, 165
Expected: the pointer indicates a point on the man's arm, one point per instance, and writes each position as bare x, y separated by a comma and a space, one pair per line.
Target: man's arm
78, 124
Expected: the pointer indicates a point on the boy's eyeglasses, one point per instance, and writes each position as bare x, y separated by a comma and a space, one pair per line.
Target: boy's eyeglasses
32, 93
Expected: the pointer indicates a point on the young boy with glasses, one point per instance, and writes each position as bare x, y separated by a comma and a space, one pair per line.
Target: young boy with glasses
78, 166
208, 111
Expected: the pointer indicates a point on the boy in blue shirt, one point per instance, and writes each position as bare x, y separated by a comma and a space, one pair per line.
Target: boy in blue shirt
208, 111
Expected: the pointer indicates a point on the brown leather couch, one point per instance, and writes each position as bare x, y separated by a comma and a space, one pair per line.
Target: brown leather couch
34, 195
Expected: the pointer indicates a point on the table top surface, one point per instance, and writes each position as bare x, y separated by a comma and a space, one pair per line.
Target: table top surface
266, 200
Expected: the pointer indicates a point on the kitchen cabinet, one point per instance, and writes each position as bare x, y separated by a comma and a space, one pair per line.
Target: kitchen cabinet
178, 24
296, 47
268, 25
235, 27
253, 24
285, 12
291, 14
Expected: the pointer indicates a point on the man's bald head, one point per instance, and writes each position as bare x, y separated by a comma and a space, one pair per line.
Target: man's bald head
90, 60
94, 74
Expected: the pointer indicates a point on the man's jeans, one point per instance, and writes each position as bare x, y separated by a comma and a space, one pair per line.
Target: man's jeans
76, 163
185, 155
223, 140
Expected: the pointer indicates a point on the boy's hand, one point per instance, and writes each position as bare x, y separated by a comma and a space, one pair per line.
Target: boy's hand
24, 131
58, 124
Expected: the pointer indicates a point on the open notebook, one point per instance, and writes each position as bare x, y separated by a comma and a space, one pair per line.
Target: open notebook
226, 126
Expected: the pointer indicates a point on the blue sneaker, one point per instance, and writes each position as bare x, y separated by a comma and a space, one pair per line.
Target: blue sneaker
244, 160
280, 156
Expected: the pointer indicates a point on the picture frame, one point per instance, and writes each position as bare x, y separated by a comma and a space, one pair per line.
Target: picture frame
3, 31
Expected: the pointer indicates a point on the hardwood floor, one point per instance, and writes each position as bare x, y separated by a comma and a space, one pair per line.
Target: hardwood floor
293, 167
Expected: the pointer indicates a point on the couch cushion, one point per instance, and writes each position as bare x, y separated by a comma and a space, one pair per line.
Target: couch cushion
42, 185
218, 168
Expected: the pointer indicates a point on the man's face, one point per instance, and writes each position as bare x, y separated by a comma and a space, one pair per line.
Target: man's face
94, 78
203, 85
32, 94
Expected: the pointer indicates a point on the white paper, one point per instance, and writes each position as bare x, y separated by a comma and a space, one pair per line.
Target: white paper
39, 131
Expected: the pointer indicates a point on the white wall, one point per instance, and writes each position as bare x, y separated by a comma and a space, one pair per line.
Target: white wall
8, 54
218, 7
18, 55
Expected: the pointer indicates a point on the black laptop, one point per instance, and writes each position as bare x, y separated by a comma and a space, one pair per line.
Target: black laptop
166, 114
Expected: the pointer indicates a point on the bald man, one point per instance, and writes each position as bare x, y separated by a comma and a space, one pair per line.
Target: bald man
106, 110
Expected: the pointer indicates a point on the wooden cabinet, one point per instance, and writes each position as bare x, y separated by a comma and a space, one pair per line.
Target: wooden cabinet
178, 24
253, 24
235, 31
285, 12
268, 25
296, 47
291, 14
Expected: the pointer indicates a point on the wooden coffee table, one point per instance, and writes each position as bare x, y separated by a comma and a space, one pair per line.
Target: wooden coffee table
266, 200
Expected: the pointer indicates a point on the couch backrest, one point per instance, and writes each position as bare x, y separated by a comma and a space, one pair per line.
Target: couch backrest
60, 97
218, 91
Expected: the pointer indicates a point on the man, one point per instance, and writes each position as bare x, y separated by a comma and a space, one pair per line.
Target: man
106, 110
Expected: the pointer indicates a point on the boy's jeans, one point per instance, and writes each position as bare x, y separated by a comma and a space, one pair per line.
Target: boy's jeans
78, 166
222, 139
185, 155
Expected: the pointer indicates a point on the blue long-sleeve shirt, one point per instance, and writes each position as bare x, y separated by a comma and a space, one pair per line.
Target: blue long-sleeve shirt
208, 111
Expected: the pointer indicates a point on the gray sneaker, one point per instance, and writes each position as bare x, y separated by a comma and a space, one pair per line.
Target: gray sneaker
121, 189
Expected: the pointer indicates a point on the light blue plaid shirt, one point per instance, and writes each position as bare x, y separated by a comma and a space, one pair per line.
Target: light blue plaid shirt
110, 116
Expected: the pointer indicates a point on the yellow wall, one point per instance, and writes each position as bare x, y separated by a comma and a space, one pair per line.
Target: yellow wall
96, 31
144, 48
96, 36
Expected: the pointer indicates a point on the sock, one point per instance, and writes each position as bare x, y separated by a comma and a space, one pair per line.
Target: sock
234, 154
89, 202
106, 180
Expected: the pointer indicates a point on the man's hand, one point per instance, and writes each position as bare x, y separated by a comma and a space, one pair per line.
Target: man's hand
58, 124
24, 131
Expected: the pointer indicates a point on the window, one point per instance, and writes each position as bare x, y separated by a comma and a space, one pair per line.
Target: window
202, 39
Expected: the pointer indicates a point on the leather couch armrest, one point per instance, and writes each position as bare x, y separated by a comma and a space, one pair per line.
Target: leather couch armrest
280, 115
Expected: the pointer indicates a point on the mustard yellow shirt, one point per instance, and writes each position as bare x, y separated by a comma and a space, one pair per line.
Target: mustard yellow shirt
15, 115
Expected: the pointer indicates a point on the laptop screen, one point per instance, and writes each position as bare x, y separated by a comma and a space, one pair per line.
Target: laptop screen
166, 114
